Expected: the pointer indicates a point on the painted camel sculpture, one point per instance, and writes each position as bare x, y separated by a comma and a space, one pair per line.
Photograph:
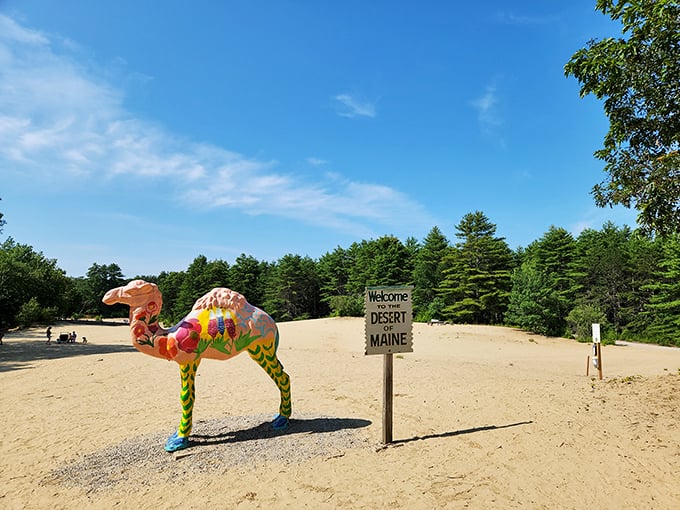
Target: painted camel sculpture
221, 325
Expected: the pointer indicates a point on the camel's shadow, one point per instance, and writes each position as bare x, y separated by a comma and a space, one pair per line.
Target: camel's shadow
266, 431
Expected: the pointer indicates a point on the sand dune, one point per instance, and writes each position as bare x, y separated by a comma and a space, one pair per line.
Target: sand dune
484, 417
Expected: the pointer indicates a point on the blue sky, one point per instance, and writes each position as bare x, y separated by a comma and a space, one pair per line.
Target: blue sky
146, 133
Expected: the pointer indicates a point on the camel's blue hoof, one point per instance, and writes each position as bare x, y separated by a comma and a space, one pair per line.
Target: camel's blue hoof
175, 443
280, 422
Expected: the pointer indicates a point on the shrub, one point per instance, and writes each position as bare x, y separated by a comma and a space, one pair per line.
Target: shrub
347, 306
433, 311
581, 319
31, 313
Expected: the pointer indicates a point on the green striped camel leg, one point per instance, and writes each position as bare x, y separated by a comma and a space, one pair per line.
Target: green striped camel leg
265, 356
180, 439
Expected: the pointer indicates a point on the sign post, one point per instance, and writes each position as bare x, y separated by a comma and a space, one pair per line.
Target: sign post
597, 351
388, 392
389, 320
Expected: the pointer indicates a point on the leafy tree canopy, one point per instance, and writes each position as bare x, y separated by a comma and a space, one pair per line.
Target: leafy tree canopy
27, 274
638, 76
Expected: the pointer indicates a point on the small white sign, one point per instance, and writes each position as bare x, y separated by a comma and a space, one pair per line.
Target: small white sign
596, 333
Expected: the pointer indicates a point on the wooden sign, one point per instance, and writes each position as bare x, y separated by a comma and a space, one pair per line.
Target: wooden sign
389, 320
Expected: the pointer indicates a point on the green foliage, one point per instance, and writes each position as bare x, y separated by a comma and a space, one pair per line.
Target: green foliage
433, 311
293, 289
543, 285
200, 277
581, 319
26, 274
638, 76
169, 284
248, 276
624, 280
534, 304
663, 308
476, 273
427, 270
333, 271
645, 256
347, 306
383, 261
602, 272
101, 279
29, 313
32, 313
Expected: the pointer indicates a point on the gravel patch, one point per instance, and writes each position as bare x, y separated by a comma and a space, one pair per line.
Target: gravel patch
217, 445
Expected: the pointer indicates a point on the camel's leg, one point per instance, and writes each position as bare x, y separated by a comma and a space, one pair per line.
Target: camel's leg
265, 356
180, 439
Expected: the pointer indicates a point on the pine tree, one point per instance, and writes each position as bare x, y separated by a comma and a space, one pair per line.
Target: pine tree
664, 307
293, 289
543, 291
200, 277
247, 276
427, 272
602, 272
476, 273
333, 271
645, 255
534, 305
383, 261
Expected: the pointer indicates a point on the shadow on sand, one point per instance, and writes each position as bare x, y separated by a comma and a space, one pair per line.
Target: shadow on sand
265, 430
460, 432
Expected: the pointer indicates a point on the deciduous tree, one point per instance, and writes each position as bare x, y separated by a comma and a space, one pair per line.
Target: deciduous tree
638, 77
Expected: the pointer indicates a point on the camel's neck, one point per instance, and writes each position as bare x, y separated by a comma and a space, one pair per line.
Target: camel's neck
144, 326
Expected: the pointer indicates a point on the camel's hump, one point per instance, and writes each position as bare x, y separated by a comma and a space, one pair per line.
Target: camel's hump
221, 297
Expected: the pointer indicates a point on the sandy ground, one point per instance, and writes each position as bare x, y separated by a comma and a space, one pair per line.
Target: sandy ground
484, 417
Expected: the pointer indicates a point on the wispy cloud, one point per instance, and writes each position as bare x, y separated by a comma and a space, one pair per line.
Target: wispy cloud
352, 107
487, 109
316, 161
510, 18
59, 117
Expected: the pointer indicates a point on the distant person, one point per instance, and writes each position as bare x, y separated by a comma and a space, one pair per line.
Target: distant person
73, 337
84, 340
48, 333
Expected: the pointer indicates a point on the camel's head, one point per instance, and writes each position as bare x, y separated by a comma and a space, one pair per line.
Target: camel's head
135, 293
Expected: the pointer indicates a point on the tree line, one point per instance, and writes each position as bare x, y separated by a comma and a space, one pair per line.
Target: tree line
557, 286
